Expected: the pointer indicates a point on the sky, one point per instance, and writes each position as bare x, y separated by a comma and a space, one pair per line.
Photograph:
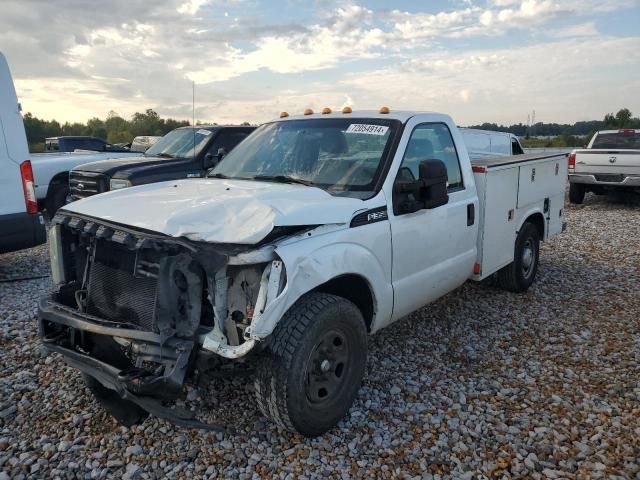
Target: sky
477, 60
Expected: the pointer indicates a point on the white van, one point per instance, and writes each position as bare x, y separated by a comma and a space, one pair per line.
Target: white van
21, 226
487, 143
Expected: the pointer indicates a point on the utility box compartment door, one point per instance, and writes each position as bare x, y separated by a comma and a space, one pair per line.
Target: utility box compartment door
499, 227
541, 180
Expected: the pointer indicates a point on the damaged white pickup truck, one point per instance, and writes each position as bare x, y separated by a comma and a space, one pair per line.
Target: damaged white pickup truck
314, 232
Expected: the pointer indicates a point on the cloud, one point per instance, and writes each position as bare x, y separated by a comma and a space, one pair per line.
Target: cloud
567, 79
249, 65
191, 7
587, 29
345, 35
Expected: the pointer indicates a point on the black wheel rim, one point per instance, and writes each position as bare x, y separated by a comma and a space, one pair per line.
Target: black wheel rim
327, 368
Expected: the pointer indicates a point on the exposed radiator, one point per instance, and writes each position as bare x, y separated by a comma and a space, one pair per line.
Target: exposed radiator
114, 292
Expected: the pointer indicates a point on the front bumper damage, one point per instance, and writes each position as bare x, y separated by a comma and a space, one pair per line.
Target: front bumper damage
167, 306
59, 330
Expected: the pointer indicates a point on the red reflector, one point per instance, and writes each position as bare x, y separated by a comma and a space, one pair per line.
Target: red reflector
572, 160
478, 169
28, 186
626, 131
476, 268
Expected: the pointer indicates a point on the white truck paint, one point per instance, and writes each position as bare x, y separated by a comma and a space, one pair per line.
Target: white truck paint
51, 173
610, 162
20, 224
395, 231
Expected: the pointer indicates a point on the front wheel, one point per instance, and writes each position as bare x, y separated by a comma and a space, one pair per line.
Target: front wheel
56, 198
520, 274
314, 365
125, 412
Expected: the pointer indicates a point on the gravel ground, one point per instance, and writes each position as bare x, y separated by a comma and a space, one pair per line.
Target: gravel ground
481, 384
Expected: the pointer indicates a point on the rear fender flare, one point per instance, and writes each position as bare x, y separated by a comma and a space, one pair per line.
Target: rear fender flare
534, 211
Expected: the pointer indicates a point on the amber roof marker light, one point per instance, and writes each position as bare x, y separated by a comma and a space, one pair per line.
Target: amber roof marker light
308, 111
346, 110
284, 114
384, 110
326, 110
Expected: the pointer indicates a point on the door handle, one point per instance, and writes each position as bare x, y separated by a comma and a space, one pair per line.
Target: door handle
471, 214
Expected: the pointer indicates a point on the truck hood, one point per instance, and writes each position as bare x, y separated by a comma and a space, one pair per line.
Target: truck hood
114, 165
216, 210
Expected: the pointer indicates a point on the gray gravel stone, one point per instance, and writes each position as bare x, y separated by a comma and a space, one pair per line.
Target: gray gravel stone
480, 384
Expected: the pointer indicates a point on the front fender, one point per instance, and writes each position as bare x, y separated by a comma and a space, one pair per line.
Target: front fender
310, 263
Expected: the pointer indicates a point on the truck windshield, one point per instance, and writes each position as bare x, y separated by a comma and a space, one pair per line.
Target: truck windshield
183, 142
342, 156
617, 140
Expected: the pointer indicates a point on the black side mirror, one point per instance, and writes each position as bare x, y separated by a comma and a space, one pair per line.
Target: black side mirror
433, 176
428, 191
210, 160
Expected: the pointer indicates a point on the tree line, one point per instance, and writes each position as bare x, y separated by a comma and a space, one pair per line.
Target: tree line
116, 129
566, 135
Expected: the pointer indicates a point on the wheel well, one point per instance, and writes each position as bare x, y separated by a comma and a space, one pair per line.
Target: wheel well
355, 289
538, 221
61, 178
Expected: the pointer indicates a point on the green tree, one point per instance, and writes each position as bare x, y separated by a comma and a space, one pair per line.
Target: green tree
623, 117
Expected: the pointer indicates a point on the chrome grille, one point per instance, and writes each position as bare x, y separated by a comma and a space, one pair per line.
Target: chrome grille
86, 184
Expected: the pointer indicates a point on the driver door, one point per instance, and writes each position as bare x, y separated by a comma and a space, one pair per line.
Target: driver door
433, 250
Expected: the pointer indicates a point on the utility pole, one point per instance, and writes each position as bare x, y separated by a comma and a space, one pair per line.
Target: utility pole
533, 123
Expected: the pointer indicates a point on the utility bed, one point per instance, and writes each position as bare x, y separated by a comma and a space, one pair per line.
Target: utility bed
509, 189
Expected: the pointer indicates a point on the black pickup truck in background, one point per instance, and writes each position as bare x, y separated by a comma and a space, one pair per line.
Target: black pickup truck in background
186, 152
71, 143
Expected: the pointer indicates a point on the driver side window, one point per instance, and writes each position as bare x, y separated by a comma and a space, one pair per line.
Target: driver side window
431, 141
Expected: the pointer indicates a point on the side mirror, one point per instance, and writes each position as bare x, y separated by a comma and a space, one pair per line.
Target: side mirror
428, 191
433, 176
210, 160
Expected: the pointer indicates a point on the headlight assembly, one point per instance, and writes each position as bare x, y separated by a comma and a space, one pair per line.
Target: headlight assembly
117, 184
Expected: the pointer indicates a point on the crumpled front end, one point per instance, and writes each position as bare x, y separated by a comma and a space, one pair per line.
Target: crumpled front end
138, 311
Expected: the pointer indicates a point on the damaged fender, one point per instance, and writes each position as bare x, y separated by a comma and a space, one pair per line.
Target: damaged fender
311, 262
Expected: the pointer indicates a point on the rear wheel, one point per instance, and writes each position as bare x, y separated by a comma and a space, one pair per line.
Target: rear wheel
314, 366
520, 274
576, 193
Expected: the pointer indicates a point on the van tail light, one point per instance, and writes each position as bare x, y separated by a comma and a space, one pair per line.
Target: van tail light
572, 161
29, 188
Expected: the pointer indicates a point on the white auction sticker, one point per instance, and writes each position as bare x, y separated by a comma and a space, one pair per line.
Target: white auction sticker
367, 129
204, 132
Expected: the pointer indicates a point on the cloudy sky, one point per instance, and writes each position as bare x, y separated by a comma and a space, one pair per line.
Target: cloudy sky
478, 60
